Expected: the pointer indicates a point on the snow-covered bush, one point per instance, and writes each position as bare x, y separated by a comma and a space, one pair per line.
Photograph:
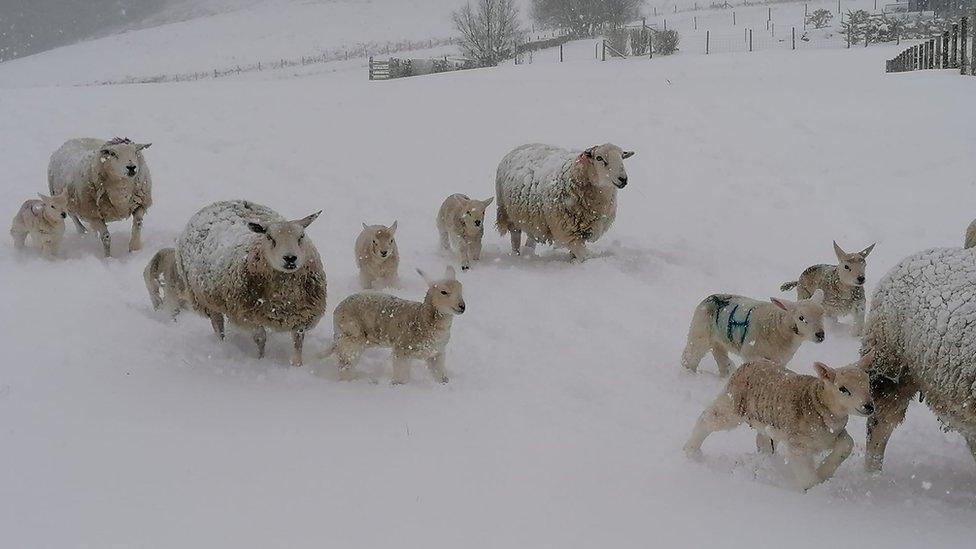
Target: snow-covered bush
855, 25
617, 39
638, 41
666, 41
820, 18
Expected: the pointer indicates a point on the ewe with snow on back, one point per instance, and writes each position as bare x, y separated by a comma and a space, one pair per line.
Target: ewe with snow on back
842, 284
922, 331
566, 198
43, 220
377, 256
462, 220
106, 181
752, 329
808, 414
413, 330
244, 261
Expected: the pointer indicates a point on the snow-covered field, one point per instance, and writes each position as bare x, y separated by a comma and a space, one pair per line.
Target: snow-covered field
566, 411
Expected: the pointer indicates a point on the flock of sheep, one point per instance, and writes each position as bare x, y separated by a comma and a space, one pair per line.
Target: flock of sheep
243, 262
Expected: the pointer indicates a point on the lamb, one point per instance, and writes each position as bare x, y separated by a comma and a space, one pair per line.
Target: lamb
922, 329
377, 256
412, 330
566, 198
842, 284
106, 181
244, 261
971, 234
164, 283
461, 219
43, 220
808, 414
752, 329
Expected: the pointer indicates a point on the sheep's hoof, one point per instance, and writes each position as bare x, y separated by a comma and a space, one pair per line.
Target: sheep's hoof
398, 382
444, 379
465, 267
135, 247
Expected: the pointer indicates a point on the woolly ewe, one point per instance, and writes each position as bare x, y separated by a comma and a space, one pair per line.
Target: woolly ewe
462, 220
566, 198
412, 330
245, 261
43, 220
842, 284
377, 256
752, 329
808, 414
106, 181
922, 330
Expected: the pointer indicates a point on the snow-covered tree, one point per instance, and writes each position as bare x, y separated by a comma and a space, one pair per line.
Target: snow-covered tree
585, 17
489, 30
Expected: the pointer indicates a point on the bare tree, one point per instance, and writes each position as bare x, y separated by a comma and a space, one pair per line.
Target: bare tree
585, 17
489, 30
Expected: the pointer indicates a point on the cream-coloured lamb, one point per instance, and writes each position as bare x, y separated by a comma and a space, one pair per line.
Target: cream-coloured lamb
377, 256
42, 219
462, 220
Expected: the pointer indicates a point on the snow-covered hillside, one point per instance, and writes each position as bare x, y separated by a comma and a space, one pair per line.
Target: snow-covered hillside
567, 408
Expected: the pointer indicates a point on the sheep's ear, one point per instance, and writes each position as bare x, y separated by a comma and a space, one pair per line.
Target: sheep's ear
782, 304
450, 273
839, 252
866, 251
141, 146
627, 154
257, 227
867, 361
393, 227
817, 297
308, 219
824, 372
426, 278
486, 203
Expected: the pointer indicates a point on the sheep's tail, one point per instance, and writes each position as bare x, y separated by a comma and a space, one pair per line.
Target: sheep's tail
151, 275
327, 352
789, 286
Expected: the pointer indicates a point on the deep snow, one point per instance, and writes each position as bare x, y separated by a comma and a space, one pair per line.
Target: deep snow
564, 418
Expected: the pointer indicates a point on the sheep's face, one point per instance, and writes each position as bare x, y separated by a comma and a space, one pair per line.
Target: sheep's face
607, 163
445, 294
473, 217
120, 158
850, 386
805, 316
55, 207
284, 245
382, 245
850, 267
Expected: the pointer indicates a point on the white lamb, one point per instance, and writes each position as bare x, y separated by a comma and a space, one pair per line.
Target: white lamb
377, 256
411, 329
462, 220
922, 330
43, 220
106, 181
566, 198
752, 329
245, 261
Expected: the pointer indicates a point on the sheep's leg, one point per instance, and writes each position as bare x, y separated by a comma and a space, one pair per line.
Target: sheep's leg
102, 229
436, 366
530, 244
365, 281
217, 321
579, 251
475, 252
445, 240
348, 349
135, 241
516, 241
765, 444
890, 404
49, 249
722, 359
804, 469
841, 450
79, 226
260, 337
719, 416
464, 247
20, 237
858, 314
298, 341
401, 370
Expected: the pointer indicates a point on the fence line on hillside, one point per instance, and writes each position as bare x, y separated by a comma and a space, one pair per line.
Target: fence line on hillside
945, 51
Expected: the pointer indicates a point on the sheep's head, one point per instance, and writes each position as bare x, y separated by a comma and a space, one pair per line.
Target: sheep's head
850, 267
849, 387
120, 158
606, 163
284, 245
805, 316
381, 244
473, 216
445, 294
55, 207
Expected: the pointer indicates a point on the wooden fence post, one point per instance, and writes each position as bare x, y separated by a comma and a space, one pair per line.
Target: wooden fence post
706, 42
931, 53
794, 37
750, 39
604, 51
560, 53
370, 67
695, 19
953, 57
945, 49
964, 28
733, 18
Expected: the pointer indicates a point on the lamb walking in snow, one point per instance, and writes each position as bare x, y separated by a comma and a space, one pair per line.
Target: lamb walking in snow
808, 414
43, 220
106, 181
377, 256
971, 234
244, 261
411, 329
553, 195
462, 220
164, 284
922, 330
752, 329
842, 284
